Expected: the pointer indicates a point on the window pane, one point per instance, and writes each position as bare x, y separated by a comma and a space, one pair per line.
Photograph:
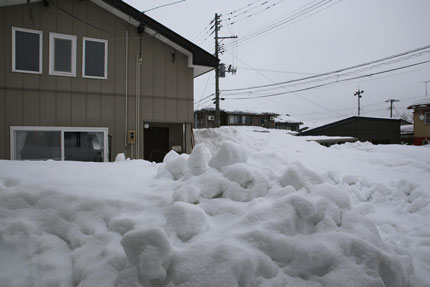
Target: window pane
94, 59
84, 146
38, 145
27, 51
63, 55
427, 118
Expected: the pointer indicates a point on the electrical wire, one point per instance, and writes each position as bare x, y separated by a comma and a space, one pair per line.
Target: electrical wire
330, 83
427, 47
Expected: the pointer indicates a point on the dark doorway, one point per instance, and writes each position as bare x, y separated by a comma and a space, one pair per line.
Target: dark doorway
156, 143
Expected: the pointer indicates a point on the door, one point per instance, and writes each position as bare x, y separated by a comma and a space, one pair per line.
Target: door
156, 143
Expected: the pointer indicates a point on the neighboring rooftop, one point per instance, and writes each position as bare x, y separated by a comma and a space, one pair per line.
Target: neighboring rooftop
420, 103
287, 119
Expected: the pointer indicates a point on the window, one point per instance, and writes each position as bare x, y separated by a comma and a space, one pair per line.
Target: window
94, 60
62, 55
239, 120
263, 122
59, 143
26, 51
427, 118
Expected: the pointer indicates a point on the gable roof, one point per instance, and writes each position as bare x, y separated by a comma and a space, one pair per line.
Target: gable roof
201, 60
333, 124
420, 103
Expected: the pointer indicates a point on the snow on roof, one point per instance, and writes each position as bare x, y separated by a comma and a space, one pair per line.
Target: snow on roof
405, 129
286, 119
420, 102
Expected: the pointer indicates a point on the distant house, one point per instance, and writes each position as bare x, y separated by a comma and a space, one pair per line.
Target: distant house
205, 118
286, 122
421, 109
374, 130
88, 79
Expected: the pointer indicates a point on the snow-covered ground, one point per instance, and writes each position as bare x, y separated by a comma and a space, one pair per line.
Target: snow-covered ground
249, 207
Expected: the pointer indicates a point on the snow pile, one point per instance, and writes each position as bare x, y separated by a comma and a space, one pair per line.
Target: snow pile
249, 207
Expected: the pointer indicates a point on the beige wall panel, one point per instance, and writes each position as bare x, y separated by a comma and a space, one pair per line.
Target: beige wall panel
147, 109
171, 110
190, 94
94, 85
119, 46
64, 110
12, 114
3, 128
48, 22
94, 17
182, 76
63, 83
64, 20
93, 110
171, 72
190, 111
182, 111
107, 113
159, 69
147, 82
35, 12
131, 112
13, 17
133, 51
3, 33
79, 84
159, 109
118, 141
47, 109
31, 108
30, 81
108, 24
79, 110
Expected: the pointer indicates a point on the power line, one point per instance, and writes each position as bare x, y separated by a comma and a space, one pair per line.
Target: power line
304, 10
330, 83
285, 88
332, 72
277, 71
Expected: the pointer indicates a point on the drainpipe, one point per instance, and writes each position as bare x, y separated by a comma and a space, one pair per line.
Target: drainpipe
126, 90
138, 64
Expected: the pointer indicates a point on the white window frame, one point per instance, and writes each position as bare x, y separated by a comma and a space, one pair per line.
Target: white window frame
84, 40
40, 33
105, 131
52, 37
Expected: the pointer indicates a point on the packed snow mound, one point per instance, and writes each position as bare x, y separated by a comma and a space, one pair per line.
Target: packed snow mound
248, 207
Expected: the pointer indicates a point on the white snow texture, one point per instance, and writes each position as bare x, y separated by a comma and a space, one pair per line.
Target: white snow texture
248, 207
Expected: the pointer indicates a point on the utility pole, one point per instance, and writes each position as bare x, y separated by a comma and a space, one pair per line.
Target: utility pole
358, 94
391, 101
217, 26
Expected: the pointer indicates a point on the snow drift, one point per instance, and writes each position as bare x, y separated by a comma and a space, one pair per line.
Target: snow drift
249, 207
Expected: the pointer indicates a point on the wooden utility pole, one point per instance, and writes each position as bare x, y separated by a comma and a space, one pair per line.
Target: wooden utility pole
217, 26
391, 101
217, 111
358, 94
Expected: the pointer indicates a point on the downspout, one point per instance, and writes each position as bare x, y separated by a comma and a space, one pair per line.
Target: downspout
126, 91
138, 64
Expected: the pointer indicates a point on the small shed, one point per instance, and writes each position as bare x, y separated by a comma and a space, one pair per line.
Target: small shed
372, 129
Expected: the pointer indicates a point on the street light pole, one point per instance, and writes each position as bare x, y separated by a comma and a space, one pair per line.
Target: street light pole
358, 94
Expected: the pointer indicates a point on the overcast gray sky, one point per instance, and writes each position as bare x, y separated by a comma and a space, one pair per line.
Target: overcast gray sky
339, 34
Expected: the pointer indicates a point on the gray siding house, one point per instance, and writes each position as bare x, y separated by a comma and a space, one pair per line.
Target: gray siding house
88, 79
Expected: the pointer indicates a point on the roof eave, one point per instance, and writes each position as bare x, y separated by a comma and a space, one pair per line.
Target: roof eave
201, 60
